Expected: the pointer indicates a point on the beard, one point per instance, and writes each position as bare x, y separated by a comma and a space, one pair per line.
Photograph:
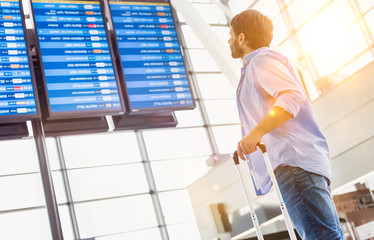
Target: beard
236, 50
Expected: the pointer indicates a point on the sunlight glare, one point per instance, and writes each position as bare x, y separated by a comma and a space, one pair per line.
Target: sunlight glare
332, 38
326, 29
347, 44
322, 32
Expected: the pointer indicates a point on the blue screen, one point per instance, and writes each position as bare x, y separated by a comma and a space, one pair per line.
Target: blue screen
16, 88
76, 56
155, 75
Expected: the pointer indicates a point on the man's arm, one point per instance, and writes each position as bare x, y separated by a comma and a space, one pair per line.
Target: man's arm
274, 119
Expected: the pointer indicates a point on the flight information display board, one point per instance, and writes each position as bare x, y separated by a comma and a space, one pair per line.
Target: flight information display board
152, 61
18, 99
76, 59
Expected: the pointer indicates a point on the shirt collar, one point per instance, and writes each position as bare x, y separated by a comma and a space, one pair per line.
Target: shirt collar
251, 55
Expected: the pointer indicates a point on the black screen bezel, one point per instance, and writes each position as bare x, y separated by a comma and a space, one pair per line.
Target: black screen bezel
179, 37
82, 113
29, 116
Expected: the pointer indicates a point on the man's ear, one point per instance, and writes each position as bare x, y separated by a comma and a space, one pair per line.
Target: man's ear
241, 38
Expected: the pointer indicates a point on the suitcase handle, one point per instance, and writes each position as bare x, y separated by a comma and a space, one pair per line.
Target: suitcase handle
262, 147
277, 190
236, 157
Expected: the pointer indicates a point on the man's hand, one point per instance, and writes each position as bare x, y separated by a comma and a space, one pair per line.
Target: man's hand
248, 144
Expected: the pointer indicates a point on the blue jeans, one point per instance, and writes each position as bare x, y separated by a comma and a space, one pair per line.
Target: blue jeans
309, 203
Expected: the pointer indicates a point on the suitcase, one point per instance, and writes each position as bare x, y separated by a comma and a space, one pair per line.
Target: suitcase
276, 187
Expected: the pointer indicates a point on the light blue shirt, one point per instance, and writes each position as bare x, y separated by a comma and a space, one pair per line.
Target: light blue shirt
268, 79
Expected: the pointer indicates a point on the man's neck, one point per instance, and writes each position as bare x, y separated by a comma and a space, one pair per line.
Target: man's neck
247, 51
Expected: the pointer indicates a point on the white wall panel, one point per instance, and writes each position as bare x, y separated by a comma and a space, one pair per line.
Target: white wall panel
353, 164
346, 97
346, 116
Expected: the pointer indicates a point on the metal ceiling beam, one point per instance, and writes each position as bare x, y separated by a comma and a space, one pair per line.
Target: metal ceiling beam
224, 8
219, 52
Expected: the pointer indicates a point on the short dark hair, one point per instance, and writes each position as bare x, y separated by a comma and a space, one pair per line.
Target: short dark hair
258, 29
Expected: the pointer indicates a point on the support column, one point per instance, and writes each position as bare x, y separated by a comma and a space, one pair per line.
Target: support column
152, 186
45, 171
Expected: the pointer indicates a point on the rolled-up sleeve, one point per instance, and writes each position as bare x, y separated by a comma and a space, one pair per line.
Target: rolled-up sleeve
275, 78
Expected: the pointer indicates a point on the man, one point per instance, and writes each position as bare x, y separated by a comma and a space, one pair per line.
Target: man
275, 110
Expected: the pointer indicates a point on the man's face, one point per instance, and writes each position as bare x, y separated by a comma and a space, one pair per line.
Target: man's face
236, 50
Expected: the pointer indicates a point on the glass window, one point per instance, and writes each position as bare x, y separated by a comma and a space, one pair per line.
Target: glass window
365, 5
100, 149
103, 182
59, 186
153, 233
178, 173
21, 191
18, 156
280, 31
189, 118
66, 223
308, 81
200, 1
227, 138
176, 143
189, 230
222, 111
288, 2
192, 41
333, 55
180, 17
369, 18
288, 49
238, 6
223, 34
30, 224
53, 157
202, 61
327, 29
176, 206
215, 86
115, 215
301, 11
357, 64
269, 8
210, 13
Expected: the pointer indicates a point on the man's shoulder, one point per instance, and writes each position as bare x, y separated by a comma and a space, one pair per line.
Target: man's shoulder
267, 54
267, 58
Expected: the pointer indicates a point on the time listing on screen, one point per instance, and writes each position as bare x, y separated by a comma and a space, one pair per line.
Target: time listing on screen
151, 56
76, 57
16, 89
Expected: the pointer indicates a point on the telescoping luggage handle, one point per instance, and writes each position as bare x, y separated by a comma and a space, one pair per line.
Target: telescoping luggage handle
280, 198
251, 208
